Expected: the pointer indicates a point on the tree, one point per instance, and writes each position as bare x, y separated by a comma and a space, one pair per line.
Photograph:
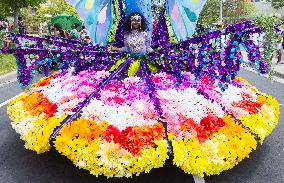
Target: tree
271, 37
238, 9
55, 7
4, 10
277, 4
13, 7
210, 12
232, 10
46, 11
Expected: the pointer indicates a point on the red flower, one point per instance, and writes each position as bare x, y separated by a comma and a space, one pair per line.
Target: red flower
113, 134
135, 139
156, 79
207, 127
251, 107
117, 100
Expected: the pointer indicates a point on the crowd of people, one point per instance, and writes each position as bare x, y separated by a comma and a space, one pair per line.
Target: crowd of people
5, 28
5, 25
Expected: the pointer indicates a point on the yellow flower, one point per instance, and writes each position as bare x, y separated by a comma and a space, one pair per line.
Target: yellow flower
223, 151
34, 130
266, 119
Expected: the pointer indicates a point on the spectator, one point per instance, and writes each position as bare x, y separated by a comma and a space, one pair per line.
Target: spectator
42, 28
58, 31
7, 25
21, 26
84, 34
280, 49
1, 24
74, 34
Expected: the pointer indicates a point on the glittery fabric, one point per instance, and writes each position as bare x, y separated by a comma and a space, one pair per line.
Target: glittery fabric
137, 42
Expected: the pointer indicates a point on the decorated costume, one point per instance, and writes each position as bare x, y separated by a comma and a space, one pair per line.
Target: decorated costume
120, 115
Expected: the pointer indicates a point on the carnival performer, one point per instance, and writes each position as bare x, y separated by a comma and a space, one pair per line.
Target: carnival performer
137, 38
117, 115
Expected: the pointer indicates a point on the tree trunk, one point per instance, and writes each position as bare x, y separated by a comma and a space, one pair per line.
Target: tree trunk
16, 16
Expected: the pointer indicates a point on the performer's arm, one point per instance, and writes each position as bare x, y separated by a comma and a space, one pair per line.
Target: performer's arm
123, 49
148, 45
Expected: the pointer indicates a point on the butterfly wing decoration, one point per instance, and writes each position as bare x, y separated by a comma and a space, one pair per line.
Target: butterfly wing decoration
97, 15
184, 15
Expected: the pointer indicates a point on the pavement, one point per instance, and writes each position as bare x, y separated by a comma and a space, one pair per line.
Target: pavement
8, 78
278, 70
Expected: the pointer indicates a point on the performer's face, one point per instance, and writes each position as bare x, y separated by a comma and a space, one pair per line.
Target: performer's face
136, 21
136, 24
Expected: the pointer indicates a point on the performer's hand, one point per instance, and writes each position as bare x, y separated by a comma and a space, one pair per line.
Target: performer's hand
115, 48
109, 48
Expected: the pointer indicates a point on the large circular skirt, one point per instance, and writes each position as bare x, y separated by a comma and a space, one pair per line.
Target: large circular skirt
118, 134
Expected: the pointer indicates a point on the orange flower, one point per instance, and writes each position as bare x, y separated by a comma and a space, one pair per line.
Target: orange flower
37, 103
46, 80
84, 129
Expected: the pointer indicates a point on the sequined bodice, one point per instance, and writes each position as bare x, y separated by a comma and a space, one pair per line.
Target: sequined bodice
136, 40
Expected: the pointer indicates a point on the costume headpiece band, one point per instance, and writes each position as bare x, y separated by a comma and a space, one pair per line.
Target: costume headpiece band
136, 17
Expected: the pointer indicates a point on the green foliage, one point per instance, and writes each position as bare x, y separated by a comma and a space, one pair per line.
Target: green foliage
3, 37
277, 4
46, 11
14, 4
7, 64
12, 7
55, 7
233, 10
210, 12
271, 37
5, 11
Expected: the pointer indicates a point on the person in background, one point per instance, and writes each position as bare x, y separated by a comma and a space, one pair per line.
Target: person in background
5, 25
21, 26
74, 34
40, 30
58, 31
1, 24
84, 34
280, 49
44, 27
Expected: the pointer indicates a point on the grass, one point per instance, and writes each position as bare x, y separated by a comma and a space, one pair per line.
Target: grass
7, 64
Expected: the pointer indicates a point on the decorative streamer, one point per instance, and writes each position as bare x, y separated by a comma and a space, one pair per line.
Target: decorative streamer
89, 55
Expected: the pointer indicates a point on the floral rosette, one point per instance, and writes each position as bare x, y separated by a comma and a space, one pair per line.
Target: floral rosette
118, 134
36, 113
255, 110
205, 139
